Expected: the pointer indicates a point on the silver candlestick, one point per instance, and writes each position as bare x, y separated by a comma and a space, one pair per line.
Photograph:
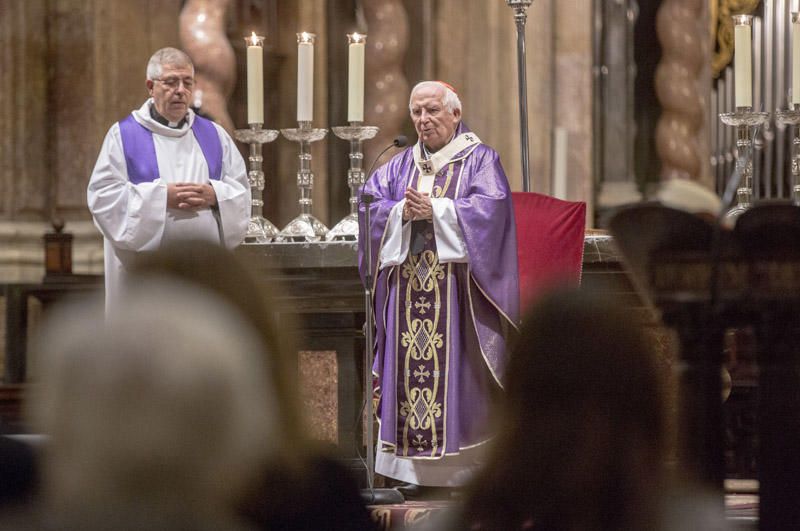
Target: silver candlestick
305, 227
259, 229
745, 121
792, 117
347, 228
520, 8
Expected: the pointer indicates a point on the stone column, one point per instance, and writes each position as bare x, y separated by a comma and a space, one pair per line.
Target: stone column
682, 80
617, 74
24, 134
572, 96
202, 33
386, 88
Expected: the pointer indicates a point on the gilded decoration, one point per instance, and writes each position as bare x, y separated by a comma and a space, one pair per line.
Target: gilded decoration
424, 340
721, 27
423, 343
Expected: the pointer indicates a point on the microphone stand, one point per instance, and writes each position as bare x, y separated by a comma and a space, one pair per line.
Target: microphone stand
371, 495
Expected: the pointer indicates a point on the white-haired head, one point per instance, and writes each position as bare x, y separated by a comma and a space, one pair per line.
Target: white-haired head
449, 98
164, 403
167, 56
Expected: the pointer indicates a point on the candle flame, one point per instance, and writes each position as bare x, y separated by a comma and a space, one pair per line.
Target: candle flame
305, 37
356, 36
254, 39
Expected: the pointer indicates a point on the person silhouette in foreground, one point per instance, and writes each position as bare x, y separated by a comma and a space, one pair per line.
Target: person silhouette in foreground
155, 416
305, 488
582, 436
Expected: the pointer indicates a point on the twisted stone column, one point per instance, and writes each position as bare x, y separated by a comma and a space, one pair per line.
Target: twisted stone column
386, 91
202, 34
683, 34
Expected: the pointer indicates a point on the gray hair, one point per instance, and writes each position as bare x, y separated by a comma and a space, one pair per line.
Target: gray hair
167, 56
450, 99
164, 401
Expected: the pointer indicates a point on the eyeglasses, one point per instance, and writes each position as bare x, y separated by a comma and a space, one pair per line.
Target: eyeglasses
172, 83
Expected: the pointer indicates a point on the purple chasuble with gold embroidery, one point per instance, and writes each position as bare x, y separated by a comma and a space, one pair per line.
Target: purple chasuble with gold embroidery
442, 328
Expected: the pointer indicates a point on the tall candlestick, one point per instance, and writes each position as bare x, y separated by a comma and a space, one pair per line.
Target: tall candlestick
255, 79
795, 58
743, 59
355, 77
305, 77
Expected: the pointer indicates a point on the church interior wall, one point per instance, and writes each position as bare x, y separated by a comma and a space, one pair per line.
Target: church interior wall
71, 68
77, 66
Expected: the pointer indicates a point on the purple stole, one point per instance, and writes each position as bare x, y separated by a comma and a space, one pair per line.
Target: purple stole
424, 343
140, 150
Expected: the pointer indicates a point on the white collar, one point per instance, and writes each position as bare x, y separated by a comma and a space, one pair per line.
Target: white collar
142, 115
438, 160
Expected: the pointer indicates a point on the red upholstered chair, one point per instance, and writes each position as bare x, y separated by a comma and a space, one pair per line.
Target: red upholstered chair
549, 243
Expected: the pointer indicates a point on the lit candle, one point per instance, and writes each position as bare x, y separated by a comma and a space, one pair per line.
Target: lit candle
255, 79
355, 77
305, 76
743, 60
795, 58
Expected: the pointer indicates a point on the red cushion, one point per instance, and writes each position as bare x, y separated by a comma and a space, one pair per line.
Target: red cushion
549, 242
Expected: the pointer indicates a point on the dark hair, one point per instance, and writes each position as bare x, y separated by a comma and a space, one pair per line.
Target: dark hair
582, 421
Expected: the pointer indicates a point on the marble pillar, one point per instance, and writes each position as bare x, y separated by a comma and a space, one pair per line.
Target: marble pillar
25, 128
682, 80
572, 96
386, 87
616, 84
203, 37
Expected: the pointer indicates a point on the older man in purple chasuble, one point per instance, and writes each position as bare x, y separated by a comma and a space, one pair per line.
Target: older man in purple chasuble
445, 294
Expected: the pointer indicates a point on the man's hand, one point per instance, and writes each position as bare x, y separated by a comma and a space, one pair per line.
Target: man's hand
418, 205
189, 196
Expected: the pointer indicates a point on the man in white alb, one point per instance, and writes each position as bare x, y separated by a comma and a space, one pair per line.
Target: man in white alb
166, 174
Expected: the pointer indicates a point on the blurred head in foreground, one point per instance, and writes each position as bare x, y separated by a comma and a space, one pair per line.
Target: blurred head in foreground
583, 423
303, 487
216, 269
158, 413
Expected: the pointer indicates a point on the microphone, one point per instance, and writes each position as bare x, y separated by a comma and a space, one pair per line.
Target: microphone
399, 141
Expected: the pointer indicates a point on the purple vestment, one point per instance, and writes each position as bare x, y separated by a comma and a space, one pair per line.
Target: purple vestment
140, 151
442, 328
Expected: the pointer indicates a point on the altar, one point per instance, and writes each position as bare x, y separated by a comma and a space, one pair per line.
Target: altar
317, 284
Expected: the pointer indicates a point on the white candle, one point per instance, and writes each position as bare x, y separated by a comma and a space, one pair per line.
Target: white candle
305, 77
560, 139
255, 79
795, 58
743, 60
355, 77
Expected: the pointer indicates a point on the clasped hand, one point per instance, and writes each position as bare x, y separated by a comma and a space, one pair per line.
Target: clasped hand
190, 196
418, 205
